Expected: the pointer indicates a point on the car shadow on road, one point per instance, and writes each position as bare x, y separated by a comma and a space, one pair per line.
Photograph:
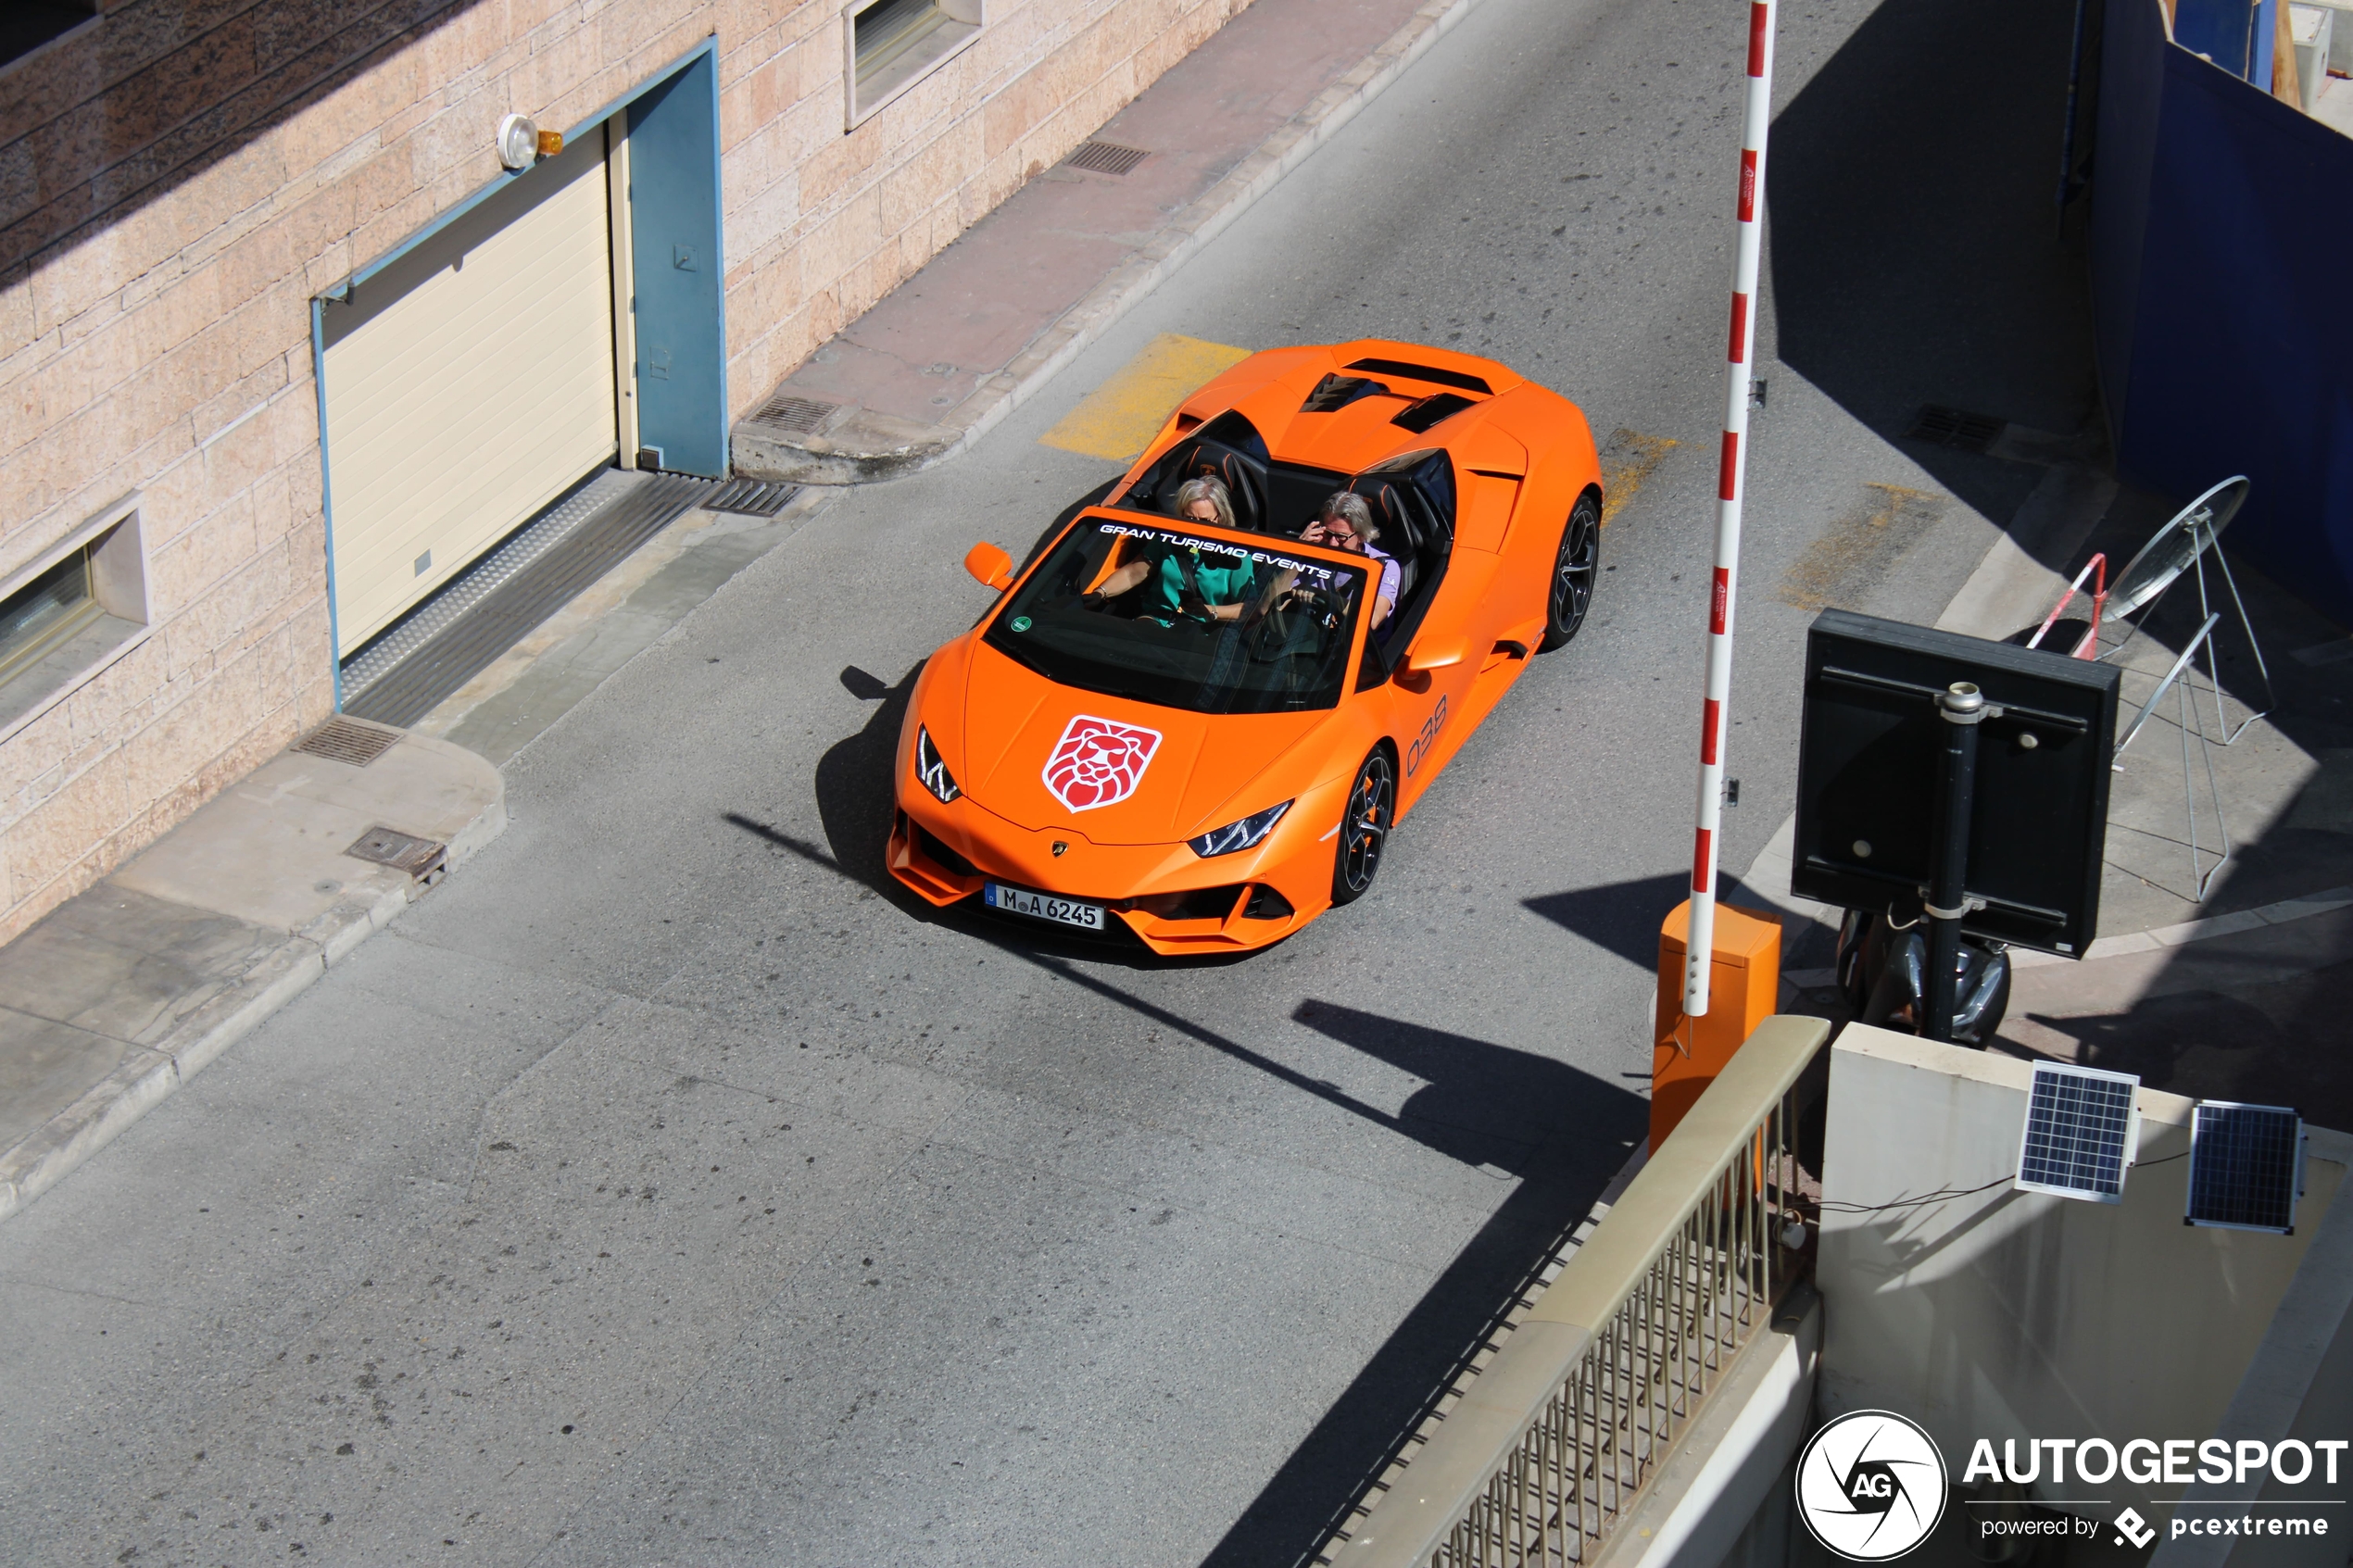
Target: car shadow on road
852, 785
1563, 1134
852, 780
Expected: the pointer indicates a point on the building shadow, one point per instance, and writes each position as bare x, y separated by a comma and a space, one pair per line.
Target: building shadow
123, 113
2280, 1041
1914, 237
1622, 918
1563, 1134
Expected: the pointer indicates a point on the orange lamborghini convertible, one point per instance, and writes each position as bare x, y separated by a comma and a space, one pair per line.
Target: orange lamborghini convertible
1203, 720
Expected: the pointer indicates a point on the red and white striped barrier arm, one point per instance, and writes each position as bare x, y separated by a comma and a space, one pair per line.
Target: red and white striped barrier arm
1699, 940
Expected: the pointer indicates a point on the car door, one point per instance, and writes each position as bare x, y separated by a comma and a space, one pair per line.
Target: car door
1423, 670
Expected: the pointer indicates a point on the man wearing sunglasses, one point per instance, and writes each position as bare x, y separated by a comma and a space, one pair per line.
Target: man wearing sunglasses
1346, 523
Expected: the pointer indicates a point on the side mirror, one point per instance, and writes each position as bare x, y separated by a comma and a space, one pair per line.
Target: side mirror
1425, 658
990, 567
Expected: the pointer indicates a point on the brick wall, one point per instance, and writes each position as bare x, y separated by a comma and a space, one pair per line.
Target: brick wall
176, 182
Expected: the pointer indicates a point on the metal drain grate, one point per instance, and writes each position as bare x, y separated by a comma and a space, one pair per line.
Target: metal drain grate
1106, 158
401, 851
347, 740
751, 498
789, 411
1956, 428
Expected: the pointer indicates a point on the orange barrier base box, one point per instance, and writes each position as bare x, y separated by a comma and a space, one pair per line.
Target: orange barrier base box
1744, 990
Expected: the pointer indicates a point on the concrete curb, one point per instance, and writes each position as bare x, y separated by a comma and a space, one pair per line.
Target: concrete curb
829, 459
149, 1074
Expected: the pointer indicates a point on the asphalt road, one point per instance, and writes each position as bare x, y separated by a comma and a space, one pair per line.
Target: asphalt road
666, 1189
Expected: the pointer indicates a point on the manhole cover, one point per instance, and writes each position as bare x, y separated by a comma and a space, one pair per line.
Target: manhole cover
1106, 158
348, 740
751, 498
790, 412
401, 851
1956, 427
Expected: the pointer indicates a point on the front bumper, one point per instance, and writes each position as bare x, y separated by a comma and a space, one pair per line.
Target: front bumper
1175, 901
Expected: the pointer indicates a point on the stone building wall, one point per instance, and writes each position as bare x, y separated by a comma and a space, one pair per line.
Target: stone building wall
179, 177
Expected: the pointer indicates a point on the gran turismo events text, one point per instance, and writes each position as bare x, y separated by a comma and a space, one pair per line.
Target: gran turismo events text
2174, 1463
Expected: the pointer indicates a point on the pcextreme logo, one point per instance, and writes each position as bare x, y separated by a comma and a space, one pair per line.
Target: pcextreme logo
1870, 1486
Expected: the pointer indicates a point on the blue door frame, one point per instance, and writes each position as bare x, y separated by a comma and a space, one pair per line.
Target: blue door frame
673, 139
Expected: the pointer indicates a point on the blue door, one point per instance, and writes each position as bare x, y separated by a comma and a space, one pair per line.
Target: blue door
674, 225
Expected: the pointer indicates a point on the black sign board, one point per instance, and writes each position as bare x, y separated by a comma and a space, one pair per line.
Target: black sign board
1867, 778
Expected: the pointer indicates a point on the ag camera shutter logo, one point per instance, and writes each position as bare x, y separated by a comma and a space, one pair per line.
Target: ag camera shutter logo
1870, 1486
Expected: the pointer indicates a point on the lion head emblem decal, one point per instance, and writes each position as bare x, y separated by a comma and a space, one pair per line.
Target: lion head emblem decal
1099, 762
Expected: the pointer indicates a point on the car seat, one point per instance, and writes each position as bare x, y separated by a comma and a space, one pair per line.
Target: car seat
1229, 449
1393, 515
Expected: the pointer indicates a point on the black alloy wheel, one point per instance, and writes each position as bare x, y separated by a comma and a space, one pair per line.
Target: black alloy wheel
1574, 569
1364, 828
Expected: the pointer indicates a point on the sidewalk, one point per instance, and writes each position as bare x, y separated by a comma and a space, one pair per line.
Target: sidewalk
965, 341
120, 995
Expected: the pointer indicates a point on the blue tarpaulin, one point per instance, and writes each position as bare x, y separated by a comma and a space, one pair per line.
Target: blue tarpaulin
2221, 238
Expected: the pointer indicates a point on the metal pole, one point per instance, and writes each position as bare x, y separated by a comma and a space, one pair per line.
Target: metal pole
1699, 944
1963, 707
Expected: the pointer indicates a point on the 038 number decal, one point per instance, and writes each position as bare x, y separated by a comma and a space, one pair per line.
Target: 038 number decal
1418, 752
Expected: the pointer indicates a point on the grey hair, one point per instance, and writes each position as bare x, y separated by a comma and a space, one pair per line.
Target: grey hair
1206, 488
1349, 505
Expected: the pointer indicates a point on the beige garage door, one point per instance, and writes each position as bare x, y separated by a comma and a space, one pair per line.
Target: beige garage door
467, 386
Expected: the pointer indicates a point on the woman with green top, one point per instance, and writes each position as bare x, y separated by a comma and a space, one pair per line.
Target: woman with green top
1202, 583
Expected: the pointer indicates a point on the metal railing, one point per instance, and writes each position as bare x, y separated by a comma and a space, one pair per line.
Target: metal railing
1548, 1448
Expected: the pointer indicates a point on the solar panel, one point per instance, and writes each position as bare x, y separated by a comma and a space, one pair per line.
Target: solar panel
2082, 1126
2244, 1166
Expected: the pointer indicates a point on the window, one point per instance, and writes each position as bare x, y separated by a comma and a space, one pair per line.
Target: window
892, 44
25, 25
45, 611
1129, 606
71, 616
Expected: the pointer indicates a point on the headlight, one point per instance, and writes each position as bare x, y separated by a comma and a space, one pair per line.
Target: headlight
931, 770
1244, 834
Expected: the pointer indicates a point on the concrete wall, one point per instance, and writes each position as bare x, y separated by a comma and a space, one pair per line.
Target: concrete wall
2001, 1314
2298, 1386
178, 178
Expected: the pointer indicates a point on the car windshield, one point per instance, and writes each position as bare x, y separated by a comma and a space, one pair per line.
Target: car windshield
1133, 608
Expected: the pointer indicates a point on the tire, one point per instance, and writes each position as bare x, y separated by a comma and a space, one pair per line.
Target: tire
1364, 828
1575, 567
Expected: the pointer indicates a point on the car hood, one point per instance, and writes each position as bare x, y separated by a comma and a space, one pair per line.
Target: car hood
1019, 726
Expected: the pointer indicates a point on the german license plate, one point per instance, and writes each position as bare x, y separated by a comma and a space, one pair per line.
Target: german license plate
1043, 905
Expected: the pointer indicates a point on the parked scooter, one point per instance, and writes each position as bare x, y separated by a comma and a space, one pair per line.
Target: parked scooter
1883, 970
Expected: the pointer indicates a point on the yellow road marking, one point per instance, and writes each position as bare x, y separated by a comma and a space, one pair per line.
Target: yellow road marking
1119, 419
1627, 461
1840, 567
